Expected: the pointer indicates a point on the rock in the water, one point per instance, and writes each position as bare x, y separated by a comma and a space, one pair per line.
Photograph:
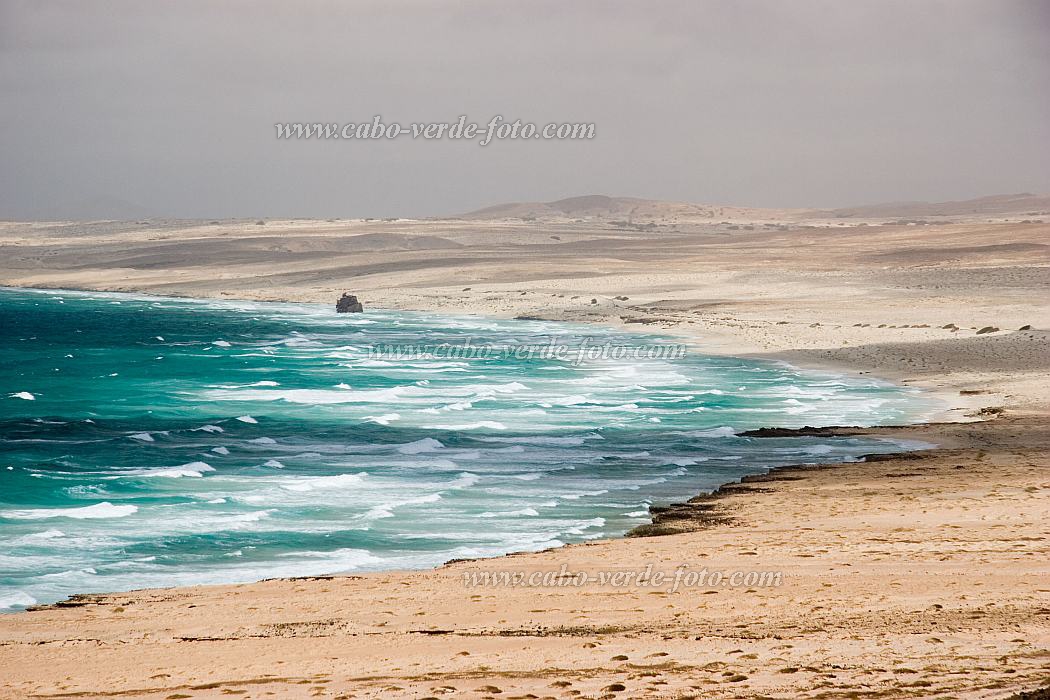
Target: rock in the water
348, 304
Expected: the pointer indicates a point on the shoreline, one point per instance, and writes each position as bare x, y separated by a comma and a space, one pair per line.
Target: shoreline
650, 528
655, 528
943, 394
339, 619
678, 518
727, 345
680, 512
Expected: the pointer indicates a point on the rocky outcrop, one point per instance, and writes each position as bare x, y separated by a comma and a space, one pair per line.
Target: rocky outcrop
348, 304
805, 431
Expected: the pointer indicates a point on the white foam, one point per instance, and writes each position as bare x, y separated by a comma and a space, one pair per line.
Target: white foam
465, 480
386, 509
586, 525
458, 406
509, 513
508, 388
573, 400
144, 437
315, 483
578, 496
389, 395
16, 599
480, 425
246, 419
37, 537
23, 395
221, 343
364, 363
542, 440
263, 441
336, 560
94, 512
273, 463
252, 517
308, 396
191, 469
384, 419
220, 450
71, 573
210, 429
424, 445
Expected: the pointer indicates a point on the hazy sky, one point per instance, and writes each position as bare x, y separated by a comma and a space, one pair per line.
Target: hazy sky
131, 109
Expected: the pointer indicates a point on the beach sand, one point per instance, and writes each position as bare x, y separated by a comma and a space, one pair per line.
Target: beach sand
923, 575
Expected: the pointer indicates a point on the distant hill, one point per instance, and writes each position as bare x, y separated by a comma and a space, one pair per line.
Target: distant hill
629, 209
1017, 204
641, 211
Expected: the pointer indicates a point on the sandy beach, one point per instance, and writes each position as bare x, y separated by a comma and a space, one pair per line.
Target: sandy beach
921, 575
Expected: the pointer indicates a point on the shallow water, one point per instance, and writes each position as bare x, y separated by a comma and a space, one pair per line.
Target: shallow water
151, 441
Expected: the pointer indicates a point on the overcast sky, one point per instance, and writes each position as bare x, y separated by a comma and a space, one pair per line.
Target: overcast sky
133, 109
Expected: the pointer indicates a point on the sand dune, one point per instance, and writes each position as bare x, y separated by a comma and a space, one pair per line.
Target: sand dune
1024, 204
632, 210
626, 210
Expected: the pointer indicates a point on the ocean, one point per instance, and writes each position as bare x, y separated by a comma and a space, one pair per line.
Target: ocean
151, 441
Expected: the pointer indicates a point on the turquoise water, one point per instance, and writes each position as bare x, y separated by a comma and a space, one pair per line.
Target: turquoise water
150, 441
